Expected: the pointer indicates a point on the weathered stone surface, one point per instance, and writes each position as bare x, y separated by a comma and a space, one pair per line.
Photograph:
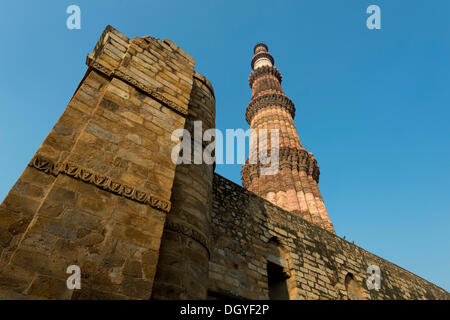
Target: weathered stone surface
97, 191
159, 68
317, 260
184, 254
49, 288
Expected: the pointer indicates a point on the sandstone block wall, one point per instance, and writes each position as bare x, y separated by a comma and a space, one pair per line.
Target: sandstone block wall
182, 271
316, 263
97, 192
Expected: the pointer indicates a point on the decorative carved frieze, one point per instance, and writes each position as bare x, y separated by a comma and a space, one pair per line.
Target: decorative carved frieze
289, 158
268, 100
188, 232
263, 71
98, 66
101, 181
313, 169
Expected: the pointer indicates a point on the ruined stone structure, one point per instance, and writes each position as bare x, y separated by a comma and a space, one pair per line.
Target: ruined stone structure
102, 193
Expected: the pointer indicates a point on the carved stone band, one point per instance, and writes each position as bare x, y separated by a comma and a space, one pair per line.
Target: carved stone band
263, 71
103, 182
188, 232
289, 158
268, 100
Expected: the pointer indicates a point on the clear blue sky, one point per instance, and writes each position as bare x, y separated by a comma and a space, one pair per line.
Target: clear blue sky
373, 106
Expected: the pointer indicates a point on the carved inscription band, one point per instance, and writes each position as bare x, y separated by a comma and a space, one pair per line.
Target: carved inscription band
188, 232
266, 101
103, 182
289, 158
261, 71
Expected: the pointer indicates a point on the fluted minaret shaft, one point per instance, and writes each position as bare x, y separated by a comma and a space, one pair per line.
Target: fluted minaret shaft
295, 185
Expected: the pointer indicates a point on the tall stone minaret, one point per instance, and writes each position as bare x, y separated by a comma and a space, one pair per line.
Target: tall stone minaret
294, 187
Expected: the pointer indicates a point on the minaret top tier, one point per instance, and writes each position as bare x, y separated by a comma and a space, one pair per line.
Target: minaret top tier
265, 78
262, 56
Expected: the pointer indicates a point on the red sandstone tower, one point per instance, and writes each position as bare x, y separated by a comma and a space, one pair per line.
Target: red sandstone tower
295, 185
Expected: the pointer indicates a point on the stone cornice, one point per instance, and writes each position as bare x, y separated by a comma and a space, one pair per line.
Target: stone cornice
101, 181
90, 61
151, 92
289, 158
268, 100
263, 71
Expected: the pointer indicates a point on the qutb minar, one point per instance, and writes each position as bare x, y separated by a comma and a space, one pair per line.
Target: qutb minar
295, 186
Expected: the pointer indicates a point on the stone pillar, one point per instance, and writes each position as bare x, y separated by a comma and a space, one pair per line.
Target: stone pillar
184, 256
97, 191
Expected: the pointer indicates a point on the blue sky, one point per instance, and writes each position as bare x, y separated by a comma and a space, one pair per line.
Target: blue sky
372, 105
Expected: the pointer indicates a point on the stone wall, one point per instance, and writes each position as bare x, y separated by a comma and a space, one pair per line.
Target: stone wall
316, 263
97, 192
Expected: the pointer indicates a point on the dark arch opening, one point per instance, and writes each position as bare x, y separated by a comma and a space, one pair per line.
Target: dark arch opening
354, 289
275, 241
276, 276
